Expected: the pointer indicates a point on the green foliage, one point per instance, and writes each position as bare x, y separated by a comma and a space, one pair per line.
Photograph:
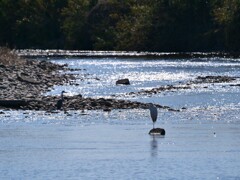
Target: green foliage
102, 20
74, 24
227, 15
32, 24
133, 30
156, 25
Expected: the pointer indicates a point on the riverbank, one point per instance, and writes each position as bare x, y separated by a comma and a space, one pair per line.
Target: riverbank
24, 81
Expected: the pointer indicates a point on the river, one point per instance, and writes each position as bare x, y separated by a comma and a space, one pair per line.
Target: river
201, 142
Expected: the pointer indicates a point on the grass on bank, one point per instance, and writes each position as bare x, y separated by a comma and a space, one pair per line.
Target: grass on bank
10, 57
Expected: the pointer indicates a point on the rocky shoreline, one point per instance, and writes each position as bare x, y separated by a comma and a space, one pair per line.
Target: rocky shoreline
23, 79
79, 103
29, 80
23, 82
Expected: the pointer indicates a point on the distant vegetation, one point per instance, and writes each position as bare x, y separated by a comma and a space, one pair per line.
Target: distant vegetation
146, 25
8, 57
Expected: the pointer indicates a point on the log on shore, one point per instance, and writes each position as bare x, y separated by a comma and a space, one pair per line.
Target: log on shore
13, 103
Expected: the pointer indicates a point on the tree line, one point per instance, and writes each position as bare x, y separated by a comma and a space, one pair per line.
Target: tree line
146, 25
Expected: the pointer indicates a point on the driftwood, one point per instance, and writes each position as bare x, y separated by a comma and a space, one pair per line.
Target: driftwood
13, 103
23, 78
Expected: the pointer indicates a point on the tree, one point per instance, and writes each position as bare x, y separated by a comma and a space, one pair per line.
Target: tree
102, 21
132, 31
227, 15
75, 25
8, 16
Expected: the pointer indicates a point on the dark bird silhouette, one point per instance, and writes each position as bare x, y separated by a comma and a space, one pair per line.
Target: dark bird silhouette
153, 113
60, 101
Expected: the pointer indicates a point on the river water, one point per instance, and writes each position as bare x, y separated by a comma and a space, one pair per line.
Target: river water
201, 141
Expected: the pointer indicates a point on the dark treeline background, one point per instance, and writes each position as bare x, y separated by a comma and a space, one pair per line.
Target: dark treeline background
143, 25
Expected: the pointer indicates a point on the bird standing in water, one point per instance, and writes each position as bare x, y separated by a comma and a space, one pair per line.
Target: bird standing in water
60, 101
153, 113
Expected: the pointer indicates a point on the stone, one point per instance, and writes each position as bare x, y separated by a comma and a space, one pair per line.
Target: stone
157, 131
107, 109
79, 95
2, 66
123, 81
94, 104
3, 87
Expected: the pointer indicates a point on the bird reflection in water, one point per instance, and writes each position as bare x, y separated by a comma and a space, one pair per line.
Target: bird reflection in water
154, 144
154, 147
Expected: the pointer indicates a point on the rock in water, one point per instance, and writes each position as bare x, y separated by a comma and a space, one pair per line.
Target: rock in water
123, 81
157, 131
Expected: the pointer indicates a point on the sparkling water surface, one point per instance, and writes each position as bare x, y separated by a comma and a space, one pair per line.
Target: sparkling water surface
201, 142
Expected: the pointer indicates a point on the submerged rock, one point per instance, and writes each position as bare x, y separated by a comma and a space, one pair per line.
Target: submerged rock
182, 86
214, 79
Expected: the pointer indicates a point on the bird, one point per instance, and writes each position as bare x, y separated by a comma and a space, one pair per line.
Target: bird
60, 101
153, 113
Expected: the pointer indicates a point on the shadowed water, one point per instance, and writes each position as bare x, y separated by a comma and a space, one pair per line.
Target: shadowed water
201, 142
